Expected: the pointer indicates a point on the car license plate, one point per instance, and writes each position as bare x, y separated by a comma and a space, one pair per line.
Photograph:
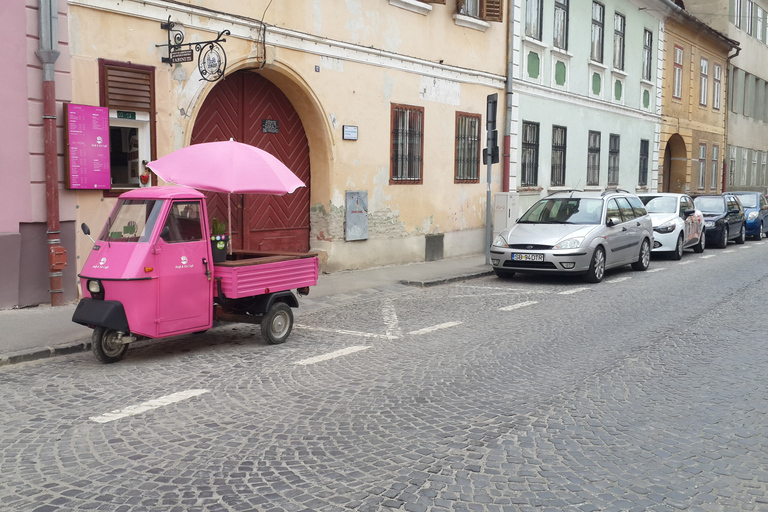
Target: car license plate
527, 257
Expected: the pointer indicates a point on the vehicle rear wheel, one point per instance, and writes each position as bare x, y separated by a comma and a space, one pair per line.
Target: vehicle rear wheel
500, 272
277, 323
699, 247
678, 252
742, 235
724, 239
760, 232
644, 258
105, 345
596, 267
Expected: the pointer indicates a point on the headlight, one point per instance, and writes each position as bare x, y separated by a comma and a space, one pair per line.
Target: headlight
569, 243
499, 242
752, 216
667, 227
709, 223
94, 287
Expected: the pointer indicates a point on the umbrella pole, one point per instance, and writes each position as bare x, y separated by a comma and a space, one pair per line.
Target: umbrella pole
229, 220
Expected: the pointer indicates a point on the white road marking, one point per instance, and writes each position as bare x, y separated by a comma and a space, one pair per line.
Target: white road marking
618, 279
345, 331
148, 406
332, 355
575, 290
511, 290
708, 256
390, 318
656, 269
745, 247
685, 262
435, 328
519, 305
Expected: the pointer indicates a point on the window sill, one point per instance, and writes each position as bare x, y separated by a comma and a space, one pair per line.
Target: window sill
598, 65
470, 22
641, 188
619, 72
535, 43
646, 83
593, 188
565, 54
529, 191
413, 6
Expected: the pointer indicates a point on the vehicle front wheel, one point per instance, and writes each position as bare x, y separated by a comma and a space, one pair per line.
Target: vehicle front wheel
699, 247
760, 233
742, 235
644, 258
105, 345
277, 323
723, 239
500, 272
596, 267
678, 252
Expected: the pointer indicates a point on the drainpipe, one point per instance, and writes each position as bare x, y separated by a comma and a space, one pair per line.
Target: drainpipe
727, 113
507, 150
48, 53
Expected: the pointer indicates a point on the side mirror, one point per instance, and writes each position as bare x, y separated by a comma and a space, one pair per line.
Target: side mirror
688, 212
612, 221
165, 232
85, 229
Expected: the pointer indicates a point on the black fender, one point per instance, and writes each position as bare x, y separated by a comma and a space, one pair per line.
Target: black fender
101, 313
263, 303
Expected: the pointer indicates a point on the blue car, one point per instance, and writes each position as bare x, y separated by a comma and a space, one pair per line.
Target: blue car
756, 210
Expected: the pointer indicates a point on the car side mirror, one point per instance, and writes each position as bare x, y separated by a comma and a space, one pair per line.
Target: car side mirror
612, 221
688, 212
85, 229
165, 232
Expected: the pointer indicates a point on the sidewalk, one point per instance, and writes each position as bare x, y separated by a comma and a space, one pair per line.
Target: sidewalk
44, 331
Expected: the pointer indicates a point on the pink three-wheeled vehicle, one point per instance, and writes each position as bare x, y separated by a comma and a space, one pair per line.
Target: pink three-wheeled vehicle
151, 274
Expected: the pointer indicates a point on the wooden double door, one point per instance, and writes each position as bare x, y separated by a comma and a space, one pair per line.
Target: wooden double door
249, 108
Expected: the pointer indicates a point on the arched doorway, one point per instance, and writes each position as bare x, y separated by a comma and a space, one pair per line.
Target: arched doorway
249, 108
675, 175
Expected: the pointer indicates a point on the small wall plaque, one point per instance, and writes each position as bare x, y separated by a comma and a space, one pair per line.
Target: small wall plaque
269, 126
349, 132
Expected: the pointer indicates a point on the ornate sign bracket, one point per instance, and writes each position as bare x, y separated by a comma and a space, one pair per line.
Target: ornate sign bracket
211, 59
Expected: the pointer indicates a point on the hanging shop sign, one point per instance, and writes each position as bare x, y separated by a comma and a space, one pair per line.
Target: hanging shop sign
86, 133
211, 57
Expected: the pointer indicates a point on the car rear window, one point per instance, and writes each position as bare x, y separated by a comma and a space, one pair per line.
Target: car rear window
637, 205
710, 204
748, 200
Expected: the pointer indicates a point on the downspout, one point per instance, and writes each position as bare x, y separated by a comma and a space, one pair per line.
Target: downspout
507, 150
48, 53
727, 113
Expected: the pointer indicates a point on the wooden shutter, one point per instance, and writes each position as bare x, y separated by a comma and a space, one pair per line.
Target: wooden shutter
128, 88
492, 10
459, 6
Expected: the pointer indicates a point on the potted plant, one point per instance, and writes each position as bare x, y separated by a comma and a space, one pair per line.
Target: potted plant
219, 240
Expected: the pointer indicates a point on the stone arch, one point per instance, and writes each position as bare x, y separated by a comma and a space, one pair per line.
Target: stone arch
675, 174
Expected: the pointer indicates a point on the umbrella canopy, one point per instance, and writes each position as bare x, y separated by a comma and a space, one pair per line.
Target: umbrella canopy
226, 166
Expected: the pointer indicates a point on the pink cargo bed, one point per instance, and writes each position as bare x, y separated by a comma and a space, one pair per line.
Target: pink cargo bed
250, 273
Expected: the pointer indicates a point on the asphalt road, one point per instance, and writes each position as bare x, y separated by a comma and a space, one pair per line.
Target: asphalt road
644, 392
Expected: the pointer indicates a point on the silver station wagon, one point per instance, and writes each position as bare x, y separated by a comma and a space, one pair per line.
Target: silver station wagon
577, 232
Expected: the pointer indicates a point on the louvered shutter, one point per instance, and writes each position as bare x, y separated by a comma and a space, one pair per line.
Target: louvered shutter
128, 88
492, 10
459, 6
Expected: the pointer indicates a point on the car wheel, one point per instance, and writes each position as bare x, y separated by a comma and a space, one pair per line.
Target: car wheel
105, 345
724, 239
503, 273
277, 323
760, 233
699, 247
596, 267
742, 235
678, 252
644, 258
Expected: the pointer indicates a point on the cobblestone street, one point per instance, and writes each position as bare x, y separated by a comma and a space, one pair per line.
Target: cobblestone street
644, 392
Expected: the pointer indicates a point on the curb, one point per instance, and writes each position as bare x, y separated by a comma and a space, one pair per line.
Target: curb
44, 353
445, 280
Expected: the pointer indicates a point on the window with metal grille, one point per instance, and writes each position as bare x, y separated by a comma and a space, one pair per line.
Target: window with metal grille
704, 82
715, 166
702, 165
560, 39
530, 157
647, 50
716, 87
598, 21
593, 159
642, 178
677, 85
744, 165
613, 159
467, 147
407, 143
619, 27
559, 139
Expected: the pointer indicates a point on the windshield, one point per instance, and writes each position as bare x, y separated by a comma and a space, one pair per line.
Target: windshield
132, 220
565, 210
660, 204
710, 204
748, 200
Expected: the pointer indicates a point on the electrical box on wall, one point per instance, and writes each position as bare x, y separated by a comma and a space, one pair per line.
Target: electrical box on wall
506, 210
356, 221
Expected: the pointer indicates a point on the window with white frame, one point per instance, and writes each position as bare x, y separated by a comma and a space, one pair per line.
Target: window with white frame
753, 174
533, 19
763, 167
619, 28
715, 166
704, 82
486, 10
647, 54
702, 165
717, 87
407, 144
748, 17
529, 163
598, 22
560, 37
731, 165
737, 13
759, 34
677, 84
744, 166
559, 138
613, 159
642, 178
593, 159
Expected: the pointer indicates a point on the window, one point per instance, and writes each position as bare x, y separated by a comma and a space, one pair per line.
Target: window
759, 24
560, 39
183, 223
677, 87
467, 147
715, 166
613, 159
716, 87
407, 143
731, 165
598, 20
619, 27
530, 157
753, 174
533, 19
737, 13
559, 134
763, 166
488, 10
593, 159
704, 82
702, 165
647, 54
744, 164
642, 179
748, 17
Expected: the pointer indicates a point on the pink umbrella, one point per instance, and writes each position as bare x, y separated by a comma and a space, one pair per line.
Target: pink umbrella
227, 166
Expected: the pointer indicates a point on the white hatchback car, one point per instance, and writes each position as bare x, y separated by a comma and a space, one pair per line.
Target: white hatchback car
677, 223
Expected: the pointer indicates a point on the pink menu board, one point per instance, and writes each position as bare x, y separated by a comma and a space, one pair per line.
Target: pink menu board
87, 139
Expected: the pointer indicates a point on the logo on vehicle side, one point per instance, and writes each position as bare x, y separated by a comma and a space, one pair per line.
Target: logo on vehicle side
185, 263
184, 260
102, 263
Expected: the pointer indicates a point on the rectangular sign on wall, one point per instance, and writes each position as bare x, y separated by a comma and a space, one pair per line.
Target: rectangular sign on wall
86, 133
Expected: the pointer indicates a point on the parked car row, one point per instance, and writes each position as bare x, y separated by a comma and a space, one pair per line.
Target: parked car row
589, 232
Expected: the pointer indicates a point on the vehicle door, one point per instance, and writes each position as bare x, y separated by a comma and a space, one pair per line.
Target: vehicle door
690, 222
762, 204
634, 228
734, 216
185, 291
619, 236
